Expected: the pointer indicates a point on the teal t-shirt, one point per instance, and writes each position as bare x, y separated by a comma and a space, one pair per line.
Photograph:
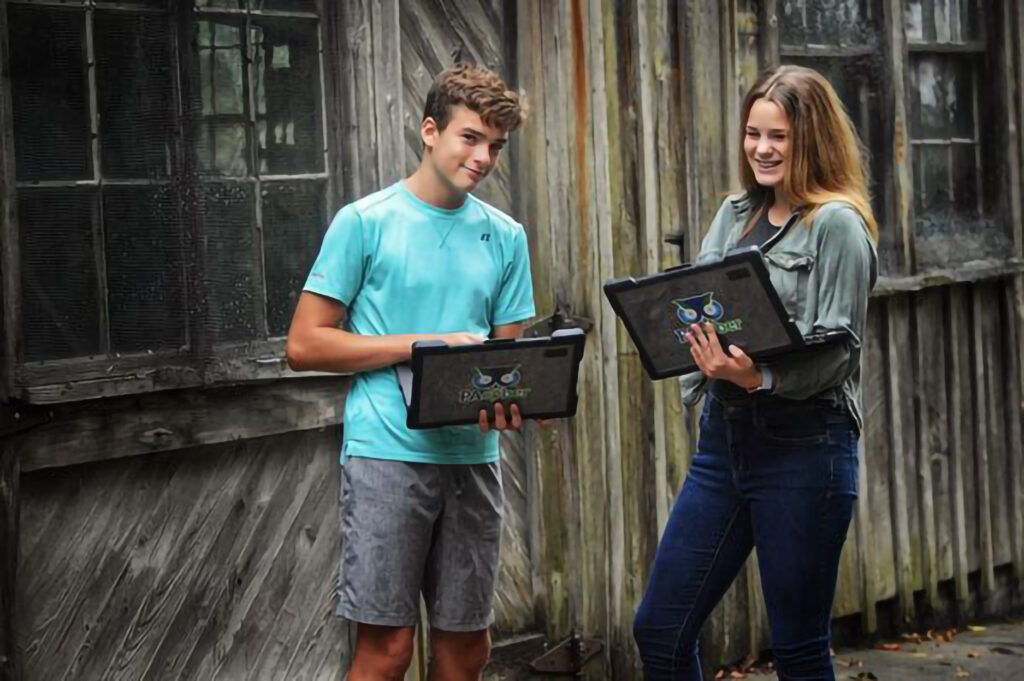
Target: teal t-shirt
403, 266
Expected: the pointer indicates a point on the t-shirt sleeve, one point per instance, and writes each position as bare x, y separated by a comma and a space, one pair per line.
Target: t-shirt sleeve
515, 298
338, 270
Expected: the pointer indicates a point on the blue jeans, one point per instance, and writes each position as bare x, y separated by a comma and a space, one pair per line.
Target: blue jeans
777, 474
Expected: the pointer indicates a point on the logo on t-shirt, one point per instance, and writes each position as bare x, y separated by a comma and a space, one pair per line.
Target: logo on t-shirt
493, 384
701, 309
486, 236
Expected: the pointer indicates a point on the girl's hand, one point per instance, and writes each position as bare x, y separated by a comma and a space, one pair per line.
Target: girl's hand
734, 366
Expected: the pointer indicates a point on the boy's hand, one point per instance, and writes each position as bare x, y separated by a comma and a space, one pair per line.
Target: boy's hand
500, 421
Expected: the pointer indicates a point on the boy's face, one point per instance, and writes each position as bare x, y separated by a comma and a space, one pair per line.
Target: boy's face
465, 152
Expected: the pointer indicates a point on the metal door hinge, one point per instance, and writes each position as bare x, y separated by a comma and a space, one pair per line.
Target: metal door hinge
568, 657
562, 318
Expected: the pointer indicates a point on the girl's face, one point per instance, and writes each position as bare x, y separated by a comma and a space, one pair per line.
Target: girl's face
767, 142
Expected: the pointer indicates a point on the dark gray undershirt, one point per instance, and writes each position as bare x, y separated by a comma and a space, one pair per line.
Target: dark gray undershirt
762, 231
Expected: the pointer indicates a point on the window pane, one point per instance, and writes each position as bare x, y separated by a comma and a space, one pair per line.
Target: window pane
60, 310
145, 268
222, 145
51, 100
944, 21
942, 97
233, 291
828, 22
222, 149
294, 222
934, 193
134, 76
966, 196
287, 71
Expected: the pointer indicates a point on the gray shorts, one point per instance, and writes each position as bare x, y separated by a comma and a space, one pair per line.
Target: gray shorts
412, 527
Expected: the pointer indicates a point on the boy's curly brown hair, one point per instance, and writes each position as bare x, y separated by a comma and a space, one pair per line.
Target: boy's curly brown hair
479, 89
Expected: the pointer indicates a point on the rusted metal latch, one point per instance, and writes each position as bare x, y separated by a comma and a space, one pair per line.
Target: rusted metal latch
568, 657
561, 319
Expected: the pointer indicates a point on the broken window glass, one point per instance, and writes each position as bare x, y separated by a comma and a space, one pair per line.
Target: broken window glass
828, 22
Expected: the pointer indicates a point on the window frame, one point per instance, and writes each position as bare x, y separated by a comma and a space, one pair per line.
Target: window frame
898, 181
201, 361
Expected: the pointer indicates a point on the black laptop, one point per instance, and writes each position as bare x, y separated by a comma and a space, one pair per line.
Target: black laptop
735, 293
448, 385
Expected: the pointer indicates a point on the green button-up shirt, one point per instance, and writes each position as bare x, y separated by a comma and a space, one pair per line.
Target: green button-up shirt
823, 273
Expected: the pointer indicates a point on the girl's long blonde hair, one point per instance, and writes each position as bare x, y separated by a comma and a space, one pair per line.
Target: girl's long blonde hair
827, 158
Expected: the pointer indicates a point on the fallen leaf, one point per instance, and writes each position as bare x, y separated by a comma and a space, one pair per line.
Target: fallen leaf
1004, 651
973, 627
891, 647
720, 675
737, 675
961, 672
973, 653
912, 638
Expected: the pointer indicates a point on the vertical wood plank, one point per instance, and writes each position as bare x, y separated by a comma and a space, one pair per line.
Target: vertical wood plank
352, 100
981, 444
994, 331
1011, 125
9, 542
602, 243
900, 190
877, 458
388, 101
649, 228
1014, 444
925, 527
771, 45
956, 314
897, 309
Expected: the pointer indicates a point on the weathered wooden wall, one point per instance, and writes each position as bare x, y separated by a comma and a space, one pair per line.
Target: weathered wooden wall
153, 546
634, 139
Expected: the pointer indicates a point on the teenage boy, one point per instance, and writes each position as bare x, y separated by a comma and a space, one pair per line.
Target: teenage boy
422, 259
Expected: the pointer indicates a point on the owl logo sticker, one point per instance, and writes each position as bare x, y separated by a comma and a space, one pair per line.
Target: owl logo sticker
494, 384
701, 309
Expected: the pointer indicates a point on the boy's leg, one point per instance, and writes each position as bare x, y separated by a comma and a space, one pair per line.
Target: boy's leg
382, 653
458, 655
388, 510
462, 571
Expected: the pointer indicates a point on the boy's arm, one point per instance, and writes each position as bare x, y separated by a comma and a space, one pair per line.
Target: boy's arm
508, 330
315, 343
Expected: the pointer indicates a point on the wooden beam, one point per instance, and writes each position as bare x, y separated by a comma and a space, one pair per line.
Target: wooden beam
981, 443
172, 420
897, 311
651, 244
10, 270
771, 46
1011, 127
955, 307
1014, 412
902, 186
923, 364
9, 522
388, 101
976, 271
